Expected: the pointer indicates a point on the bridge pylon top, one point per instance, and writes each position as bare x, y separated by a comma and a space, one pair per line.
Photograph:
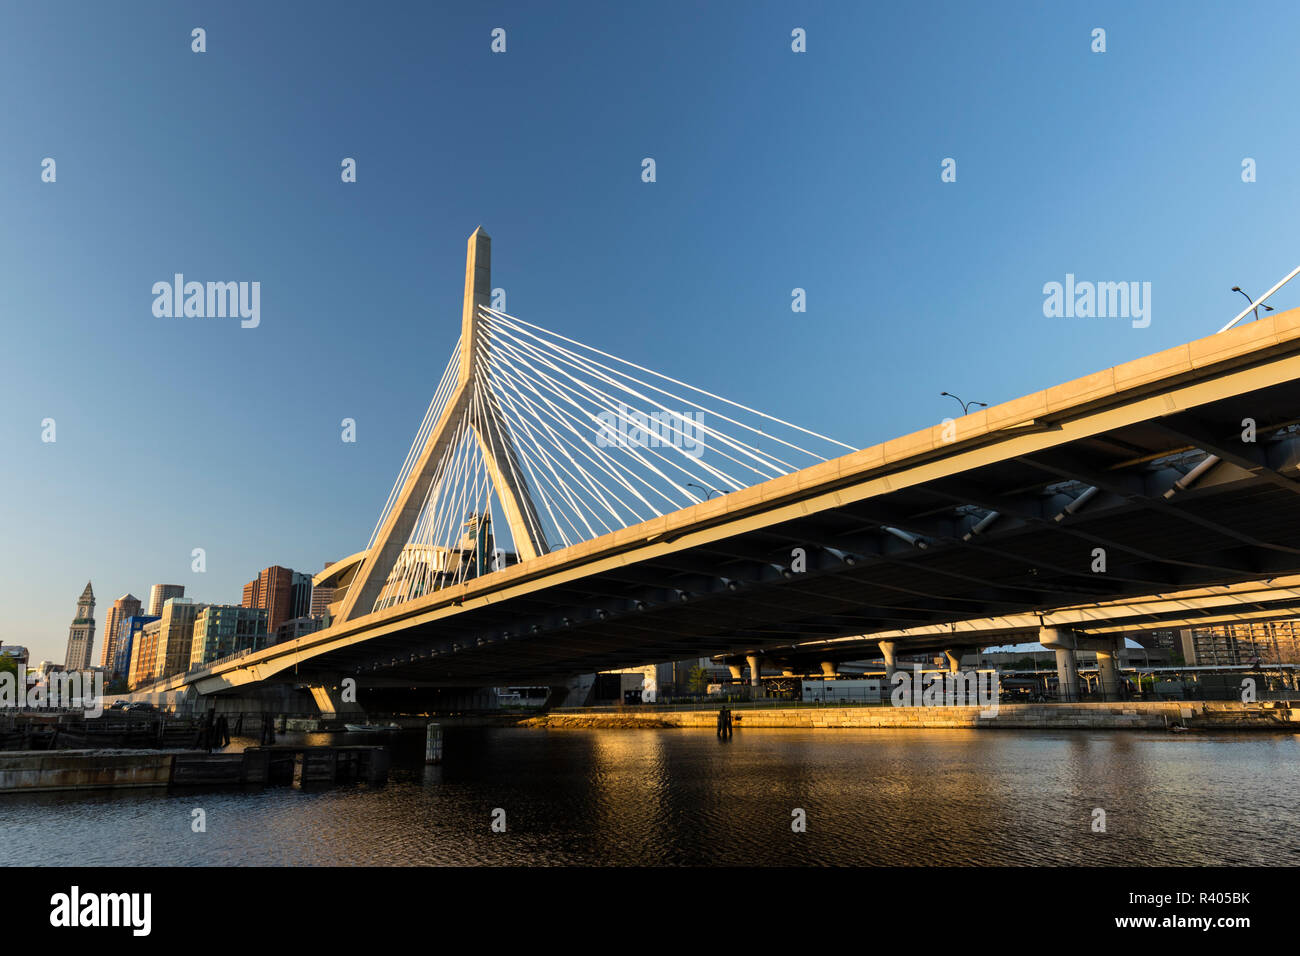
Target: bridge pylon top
478, 292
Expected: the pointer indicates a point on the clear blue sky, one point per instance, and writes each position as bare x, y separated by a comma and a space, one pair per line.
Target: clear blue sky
775, 170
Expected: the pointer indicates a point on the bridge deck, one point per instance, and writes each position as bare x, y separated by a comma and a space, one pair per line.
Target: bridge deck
894, 536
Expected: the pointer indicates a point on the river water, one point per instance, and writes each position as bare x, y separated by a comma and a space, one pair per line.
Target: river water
666, 797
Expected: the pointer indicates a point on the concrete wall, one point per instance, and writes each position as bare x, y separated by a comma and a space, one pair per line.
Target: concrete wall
40, 771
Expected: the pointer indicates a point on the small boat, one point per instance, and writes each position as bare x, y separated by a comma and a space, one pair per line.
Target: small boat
371, 728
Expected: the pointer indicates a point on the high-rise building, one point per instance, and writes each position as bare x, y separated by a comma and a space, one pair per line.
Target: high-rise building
144, 652
160, 594
124, 607
175, 637
224, 629
1265, 642
321, 599
300, 595
126, 644
273, 591
81, 634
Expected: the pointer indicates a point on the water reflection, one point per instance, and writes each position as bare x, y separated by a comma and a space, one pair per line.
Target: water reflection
684, 797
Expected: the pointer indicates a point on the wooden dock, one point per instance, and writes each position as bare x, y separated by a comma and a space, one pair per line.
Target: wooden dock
308, 768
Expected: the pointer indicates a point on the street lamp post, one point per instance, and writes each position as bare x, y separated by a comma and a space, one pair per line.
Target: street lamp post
965, 406
1267, 308
708, 492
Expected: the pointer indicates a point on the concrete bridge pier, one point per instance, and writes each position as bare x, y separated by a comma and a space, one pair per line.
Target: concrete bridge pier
1108, 667
829, 669
329, 700
1063, 641
954, 660
755, 673
887, 652
736, 673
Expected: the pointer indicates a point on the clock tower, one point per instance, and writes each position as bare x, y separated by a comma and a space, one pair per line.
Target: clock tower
81, 635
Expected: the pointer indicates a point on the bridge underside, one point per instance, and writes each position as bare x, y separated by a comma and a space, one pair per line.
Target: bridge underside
927, 552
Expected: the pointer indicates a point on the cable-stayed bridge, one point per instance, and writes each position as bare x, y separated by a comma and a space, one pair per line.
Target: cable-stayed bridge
563, 511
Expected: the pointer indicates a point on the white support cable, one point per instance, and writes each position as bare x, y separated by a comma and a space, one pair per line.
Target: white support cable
560, 389
502, 378
775, 466
767, 460
611, 465
620, 409
508, 444
584, 445
431, 416
504, 317
599, 491
1258, 302
537, 475
539, 482
566, 495
425, 532
440, 523
561, 488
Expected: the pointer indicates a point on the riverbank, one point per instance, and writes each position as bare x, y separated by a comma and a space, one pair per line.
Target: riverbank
1134, 715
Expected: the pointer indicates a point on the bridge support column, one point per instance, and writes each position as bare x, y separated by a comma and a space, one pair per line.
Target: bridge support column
330, 701
755, 674
1108, 668
887, 652
829, 669
954, 660
1063, 641
736, 673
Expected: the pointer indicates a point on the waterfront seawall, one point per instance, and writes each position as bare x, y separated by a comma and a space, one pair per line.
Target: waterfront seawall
51, 770
1136, 715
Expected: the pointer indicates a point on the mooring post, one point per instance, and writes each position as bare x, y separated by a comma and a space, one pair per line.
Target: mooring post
433, 744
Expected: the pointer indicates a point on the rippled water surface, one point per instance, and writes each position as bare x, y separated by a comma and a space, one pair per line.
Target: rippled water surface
684, 797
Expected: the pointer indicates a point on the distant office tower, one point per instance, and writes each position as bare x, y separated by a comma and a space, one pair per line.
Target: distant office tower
124, 607
175, 637
224, 629
297, 627
321, 598
300, 595
126, 644
273, 591
160, 594
143, 654
81, 635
